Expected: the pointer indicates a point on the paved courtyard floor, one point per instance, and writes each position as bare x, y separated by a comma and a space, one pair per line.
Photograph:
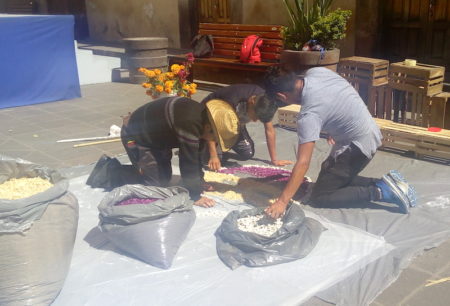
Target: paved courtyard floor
31, 132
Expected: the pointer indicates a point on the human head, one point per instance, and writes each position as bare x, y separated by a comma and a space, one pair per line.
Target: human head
283, 87
261, 108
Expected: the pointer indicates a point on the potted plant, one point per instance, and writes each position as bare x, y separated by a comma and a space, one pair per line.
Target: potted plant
310, 39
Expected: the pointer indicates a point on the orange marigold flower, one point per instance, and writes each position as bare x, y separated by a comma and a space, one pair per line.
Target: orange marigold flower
186, 87
141, 69
193, 85
159, 88
161, 77
150, 73
157, 71
146, 85
170, 75
175, 68
192, 91
168, 90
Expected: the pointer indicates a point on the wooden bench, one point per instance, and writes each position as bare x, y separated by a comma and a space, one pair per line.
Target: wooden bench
224, 66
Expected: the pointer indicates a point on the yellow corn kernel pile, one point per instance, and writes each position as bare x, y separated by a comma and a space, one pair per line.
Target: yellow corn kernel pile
15, 189
224, 178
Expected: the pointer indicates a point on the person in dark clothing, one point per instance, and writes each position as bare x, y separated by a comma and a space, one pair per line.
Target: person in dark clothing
151, 132
243, 98
330, 104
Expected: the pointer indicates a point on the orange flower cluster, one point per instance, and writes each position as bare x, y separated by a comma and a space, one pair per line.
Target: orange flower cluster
172, 82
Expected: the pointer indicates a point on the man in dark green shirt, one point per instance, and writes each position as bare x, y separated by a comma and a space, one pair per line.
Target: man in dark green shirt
151, 132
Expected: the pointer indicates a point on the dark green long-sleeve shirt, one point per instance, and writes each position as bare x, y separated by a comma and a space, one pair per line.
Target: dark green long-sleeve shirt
168, 123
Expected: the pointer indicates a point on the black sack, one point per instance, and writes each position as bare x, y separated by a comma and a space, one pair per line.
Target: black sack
294, 240
109, 173
151, 232
202, 46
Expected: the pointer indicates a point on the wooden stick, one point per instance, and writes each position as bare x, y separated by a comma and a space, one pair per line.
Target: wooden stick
95, 142
88, 138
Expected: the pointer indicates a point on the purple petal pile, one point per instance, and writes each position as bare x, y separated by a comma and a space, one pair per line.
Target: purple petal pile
260, 172
131, 201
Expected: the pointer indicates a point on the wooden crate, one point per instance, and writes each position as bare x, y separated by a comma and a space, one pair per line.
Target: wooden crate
378, 103
438, 110
287, 116
422, 78
369, 76
364, 70
415, 139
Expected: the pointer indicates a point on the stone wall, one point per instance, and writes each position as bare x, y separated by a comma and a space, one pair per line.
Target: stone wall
112, 20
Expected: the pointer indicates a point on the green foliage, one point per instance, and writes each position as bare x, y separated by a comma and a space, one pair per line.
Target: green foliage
330, 28
304, 14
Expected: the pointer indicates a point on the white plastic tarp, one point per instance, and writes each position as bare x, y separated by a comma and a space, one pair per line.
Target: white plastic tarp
100, 275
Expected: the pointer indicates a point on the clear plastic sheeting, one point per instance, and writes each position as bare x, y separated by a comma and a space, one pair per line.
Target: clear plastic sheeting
99, 275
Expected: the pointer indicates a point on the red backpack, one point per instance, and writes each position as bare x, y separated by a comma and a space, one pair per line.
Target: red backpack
250, 49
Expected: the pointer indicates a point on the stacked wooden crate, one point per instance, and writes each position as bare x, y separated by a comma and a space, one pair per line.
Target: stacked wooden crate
412, 89
418, 140
439, 110
369, 76
287, 116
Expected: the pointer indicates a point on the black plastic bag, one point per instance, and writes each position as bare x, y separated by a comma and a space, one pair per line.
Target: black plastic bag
150, 232
37, 236
202, 46
109, 173
294, 240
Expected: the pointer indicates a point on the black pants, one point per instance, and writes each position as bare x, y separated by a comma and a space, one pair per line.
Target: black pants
244, 148
154, 165
339, 184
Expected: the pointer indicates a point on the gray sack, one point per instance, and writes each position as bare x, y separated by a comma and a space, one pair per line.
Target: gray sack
37, 235
150, 232
294, 240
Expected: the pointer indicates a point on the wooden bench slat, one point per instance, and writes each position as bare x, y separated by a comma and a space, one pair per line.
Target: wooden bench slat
240, 33
236, 54
264, 48
239, 40
240, 27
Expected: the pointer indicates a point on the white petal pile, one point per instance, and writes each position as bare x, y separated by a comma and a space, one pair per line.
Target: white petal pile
250, 224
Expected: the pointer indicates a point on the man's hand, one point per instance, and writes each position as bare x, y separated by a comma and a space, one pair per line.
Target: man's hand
208, 187
331, 141
205, 202
281, 163
214, 163
276, 210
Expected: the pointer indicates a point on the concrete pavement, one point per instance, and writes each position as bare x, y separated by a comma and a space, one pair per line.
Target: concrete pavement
31, 132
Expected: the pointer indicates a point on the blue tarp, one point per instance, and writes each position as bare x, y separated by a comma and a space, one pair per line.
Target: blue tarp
37, 59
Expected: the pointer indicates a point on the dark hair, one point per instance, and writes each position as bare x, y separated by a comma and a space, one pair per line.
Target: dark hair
277, 80
265, 108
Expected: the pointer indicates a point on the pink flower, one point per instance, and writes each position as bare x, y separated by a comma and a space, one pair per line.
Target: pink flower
182, 74
190, 57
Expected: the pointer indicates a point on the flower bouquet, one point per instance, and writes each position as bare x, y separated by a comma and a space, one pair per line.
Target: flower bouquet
173, 82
